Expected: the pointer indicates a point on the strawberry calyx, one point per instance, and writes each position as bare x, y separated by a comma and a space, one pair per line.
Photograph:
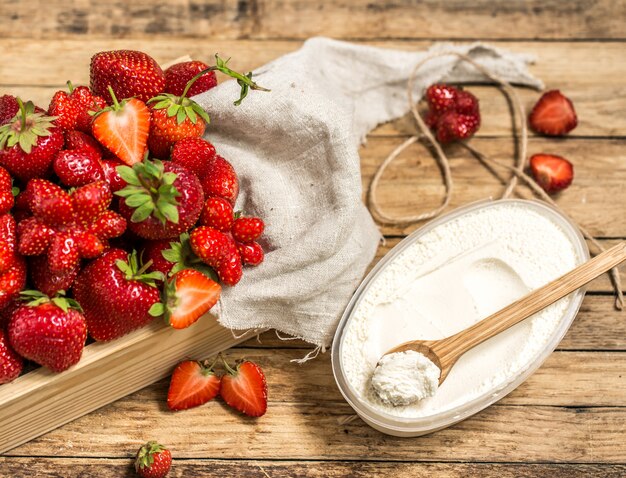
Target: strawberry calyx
133, 272
26, 127
116, 106
184, 108
183, 257
33, 298
145, 455
150, 191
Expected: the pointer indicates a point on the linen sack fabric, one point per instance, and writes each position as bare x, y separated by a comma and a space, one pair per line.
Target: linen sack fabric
295, 150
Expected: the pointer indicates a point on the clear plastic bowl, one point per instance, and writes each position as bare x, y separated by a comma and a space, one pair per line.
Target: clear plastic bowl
409, 427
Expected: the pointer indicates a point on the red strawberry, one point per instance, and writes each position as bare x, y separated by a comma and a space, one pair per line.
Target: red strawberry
221, 180
176, 257
177, 76
153, 461
109, 167
28, 144
153, 251
67, 227
123, 129
87, 103
49, 331
77, 141
12, 281
188, 295
218, 214
466, 103
7, 242
65, 109
77, 168
219, 251
117, 295
7, 200
553, 114
173, 209
553, 173
8, 108
192, 384
453, 126
48, 282
251, 253
441, 97
129, 73
245, 388
247, 229
195, 154
11, 364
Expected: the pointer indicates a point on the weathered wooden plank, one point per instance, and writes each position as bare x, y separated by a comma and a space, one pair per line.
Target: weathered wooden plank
590, 73
413, 182
109, 468
454, 19
309, 430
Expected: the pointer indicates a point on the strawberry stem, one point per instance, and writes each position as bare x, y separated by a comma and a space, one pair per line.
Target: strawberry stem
70, 86
116, 105
144, 268
20, 103
228, 368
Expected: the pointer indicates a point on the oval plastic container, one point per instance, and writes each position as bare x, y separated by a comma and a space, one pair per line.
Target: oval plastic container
410, 427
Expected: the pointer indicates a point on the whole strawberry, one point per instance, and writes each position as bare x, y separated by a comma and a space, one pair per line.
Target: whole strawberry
153, 461
153, 251
129, 73
195, 154
67, 227
72, 109
12, 265
88, 104
162, 199
117, 295
218, 214
49, 331
29, 143
177, 76
221, 180
219, 251
247, 229
77, 168
11, 364
78, 141
251, 253
48, 281
6, 191
8, 108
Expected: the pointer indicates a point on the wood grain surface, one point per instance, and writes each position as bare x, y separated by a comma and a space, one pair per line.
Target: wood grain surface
567, 420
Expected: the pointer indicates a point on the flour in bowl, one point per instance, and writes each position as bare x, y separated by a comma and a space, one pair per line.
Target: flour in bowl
453, 276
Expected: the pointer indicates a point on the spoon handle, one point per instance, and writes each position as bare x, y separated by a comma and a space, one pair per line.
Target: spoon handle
456, 345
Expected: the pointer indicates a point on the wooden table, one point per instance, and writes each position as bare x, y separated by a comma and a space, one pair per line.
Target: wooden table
567, 420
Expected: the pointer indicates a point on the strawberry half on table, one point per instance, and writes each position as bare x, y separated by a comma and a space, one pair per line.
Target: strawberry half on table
117, 294
29, 142
192, 384
553, 114
553, 173
244, 388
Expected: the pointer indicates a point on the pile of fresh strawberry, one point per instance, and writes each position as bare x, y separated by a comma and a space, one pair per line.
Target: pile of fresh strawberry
454, 115
114, 210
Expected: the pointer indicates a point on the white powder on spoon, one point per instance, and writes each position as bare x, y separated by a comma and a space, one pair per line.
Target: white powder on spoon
452, 277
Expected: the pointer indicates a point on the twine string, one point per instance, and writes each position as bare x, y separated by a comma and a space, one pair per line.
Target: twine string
517, 170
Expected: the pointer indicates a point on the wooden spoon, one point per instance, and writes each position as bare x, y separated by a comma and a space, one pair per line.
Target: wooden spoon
445, 352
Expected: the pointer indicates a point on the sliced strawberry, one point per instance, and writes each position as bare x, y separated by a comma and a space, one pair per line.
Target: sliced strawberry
123, 129
192, 385
245, 388
553, 173
553, 115
188, 295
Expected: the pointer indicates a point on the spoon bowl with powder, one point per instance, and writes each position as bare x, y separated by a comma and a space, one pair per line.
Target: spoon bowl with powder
408, 372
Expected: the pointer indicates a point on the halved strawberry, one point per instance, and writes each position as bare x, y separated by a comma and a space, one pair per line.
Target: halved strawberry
123, 129
245, 388
553, 173
553, 115
192, 384
188, 295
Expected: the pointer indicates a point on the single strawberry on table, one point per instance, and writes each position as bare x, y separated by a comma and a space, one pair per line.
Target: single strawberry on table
11, 364
162, 199
49, 331
553, 173
187, 296
129, 73
123, 128
192, 384
29, 142
117, 294
553, 114
153, 460
178, 75
244, 388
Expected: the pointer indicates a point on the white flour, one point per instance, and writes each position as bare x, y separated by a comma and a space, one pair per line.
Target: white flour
452, 277
403, 378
